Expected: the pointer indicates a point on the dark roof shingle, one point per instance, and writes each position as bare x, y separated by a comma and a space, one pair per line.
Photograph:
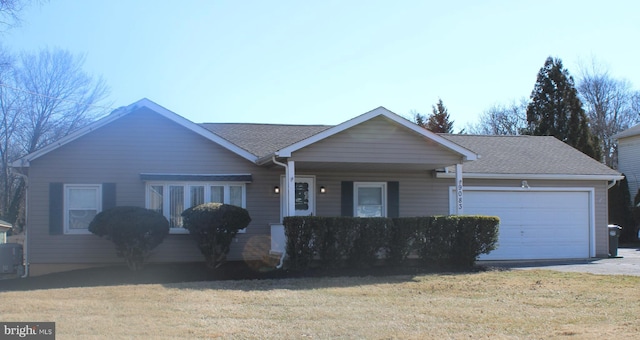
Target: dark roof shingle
535, 155
263, 139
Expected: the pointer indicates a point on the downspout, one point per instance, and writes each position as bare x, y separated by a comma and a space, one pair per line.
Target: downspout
612, 184
25, 251
284, 253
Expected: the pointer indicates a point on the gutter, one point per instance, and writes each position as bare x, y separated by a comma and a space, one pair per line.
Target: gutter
25, 252
448, 174
284, 253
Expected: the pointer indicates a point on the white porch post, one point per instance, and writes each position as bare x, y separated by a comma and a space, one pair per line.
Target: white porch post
290, 187
459, 191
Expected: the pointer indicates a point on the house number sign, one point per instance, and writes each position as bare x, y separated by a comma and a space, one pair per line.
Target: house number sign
459, 196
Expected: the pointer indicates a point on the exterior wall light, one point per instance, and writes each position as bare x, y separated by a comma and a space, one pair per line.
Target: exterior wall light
323, 190
276, 190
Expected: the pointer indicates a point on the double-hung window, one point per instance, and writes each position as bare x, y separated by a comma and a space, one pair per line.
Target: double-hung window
370, 199
82, 202
172, 198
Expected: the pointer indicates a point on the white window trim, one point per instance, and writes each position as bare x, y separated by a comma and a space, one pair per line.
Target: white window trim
358, 185
187, 196
65, 209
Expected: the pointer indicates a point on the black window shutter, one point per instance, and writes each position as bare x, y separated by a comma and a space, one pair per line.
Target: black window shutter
108, 195
56, 206
393, 199
346, 202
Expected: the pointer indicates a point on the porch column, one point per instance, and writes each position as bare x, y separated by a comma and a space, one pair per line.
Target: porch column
290, 187
459, 191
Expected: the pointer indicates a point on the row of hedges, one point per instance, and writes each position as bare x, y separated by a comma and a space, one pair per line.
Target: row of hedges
360, 242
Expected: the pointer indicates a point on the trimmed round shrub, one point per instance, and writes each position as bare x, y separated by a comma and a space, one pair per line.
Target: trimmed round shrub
135, 231
213, 226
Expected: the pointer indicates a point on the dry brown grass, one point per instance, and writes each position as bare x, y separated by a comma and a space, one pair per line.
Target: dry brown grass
495, 304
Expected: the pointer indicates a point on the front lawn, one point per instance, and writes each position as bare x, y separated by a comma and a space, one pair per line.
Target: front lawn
491, 304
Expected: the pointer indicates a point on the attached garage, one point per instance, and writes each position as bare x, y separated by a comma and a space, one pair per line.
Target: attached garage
536, 223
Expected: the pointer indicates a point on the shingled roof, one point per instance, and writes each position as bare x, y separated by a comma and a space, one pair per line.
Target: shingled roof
532, 155
263, 139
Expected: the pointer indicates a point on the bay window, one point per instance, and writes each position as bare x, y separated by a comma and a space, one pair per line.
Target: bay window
171, 199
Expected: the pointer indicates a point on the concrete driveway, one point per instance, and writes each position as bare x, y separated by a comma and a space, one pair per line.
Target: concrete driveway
627, 263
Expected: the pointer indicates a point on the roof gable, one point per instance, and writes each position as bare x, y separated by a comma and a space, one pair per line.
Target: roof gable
380, 111
121, 112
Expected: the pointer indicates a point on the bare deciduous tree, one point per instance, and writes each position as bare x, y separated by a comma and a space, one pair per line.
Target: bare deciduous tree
43, 96
611, 105
502, 119
9, 12
63, 96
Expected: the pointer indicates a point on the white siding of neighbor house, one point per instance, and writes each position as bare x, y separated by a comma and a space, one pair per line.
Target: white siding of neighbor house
629, 162
380, 141
141, 142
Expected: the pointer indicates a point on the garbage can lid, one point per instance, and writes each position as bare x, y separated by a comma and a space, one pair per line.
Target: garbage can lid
614, 226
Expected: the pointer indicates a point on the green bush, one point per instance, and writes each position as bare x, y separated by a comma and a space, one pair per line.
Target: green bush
402, 236
440, 240
369, 240
135, 231
475, 235
435, 239
213, 226
299, 231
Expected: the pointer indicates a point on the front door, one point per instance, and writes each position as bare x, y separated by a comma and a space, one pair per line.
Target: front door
304, 196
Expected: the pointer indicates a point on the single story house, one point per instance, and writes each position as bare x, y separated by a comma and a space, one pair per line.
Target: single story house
629, 157
552, 199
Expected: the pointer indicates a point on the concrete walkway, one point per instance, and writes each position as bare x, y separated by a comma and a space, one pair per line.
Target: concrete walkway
627, 263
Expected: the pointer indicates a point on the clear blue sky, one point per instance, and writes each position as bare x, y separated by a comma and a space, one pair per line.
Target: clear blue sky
323, 62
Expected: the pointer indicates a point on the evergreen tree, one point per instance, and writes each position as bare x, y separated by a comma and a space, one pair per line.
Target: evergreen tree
439, 120
555, 110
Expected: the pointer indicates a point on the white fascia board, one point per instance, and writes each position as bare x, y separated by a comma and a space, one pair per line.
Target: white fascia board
533, 176
118, 113
467, 155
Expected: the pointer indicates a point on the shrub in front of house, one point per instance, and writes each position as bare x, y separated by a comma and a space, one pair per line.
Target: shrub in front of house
360, 242
474, 235
369, 241
213, 226
135, 231
401, 236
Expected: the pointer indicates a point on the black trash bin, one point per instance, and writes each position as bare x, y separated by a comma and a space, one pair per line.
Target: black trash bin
614, 235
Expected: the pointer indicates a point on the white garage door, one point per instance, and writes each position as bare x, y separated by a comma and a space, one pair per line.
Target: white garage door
535, 224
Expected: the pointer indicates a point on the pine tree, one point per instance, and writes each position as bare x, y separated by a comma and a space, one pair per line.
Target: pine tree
555, 110
439, 120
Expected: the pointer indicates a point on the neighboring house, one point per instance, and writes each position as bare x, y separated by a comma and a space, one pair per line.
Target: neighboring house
552, 199
629, 157
4, 228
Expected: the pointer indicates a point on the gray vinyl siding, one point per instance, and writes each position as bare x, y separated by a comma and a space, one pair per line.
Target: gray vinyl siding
141, 142
629, 162
420, 193
375, 142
